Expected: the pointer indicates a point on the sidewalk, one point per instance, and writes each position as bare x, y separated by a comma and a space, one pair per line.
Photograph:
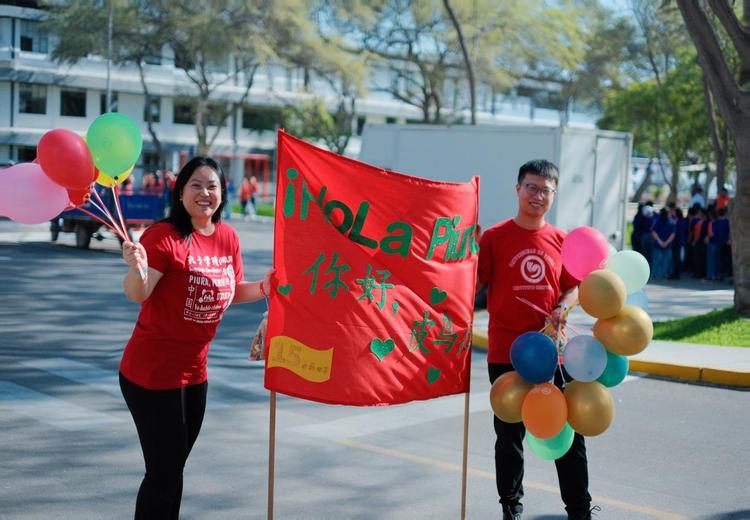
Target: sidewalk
670, 359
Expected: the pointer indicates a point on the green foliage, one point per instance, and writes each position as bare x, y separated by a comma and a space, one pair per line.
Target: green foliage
312, 120
718, 327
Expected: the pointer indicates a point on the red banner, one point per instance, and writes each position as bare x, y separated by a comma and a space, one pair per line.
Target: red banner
376, 274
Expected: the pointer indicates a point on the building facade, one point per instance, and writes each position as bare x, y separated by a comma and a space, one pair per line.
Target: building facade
38, 94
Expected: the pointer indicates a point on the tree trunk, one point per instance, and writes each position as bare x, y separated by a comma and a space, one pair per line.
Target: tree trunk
644, 184
467, 61
740, 220
675, 182
150, 118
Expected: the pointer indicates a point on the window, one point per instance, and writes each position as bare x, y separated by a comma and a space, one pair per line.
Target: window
33, 37
112, 102
26, 153
184, 111
32, 99
261, 118
152, 106
73, 102
390, 120
214, 114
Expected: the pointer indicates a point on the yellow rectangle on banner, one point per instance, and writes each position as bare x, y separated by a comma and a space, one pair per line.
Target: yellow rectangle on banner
310, 364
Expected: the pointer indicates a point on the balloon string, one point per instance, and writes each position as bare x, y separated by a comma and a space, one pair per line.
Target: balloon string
106, 212
106, 224
110, 223
116, 197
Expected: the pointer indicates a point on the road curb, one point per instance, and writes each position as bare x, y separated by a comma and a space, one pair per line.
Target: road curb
714, 376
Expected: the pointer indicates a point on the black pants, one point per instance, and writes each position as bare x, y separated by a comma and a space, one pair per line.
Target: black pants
572, 468
168, 423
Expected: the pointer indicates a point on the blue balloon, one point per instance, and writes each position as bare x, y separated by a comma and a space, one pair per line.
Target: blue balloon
639, 299
584, 357
616, 370
534, 357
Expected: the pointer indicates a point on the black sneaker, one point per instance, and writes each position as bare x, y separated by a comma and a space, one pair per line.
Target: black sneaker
510, 513
586, 516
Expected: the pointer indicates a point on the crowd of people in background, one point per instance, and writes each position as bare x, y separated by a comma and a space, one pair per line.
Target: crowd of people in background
161, 182
675, 243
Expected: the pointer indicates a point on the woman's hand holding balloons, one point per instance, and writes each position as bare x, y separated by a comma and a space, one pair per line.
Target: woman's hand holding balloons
135, 256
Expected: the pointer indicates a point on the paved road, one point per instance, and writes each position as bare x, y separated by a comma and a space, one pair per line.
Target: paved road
70, 450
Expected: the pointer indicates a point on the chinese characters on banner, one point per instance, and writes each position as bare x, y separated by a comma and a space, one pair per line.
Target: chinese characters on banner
376, 274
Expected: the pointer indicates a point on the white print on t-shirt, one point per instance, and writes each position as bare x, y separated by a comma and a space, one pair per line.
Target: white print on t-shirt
210, 289
533, 268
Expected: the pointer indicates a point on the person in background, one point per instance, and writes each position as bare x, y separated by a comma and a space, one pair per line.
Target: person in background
663, 233
679, 243
647, 242
184, 272
244, 195
723, 200
254, 188
698, 239
521, 257
698, 197
717, 238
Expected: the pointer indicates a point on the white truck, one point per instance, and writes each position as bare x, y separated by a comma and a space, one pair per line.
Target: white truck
594, 167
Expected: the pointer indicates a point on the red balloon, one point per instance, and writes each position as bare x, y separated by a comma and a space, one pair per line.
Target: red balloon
65, 158
79, 197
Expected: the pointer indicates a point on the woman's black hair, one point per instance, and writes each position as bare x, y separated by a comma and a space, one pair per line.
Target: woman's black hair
178, 215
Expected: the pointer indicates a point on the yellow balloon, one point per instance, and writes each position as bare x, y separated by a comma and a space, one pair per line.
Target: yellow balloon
602, 294
591, 408
507, 395
626, 333
108, 180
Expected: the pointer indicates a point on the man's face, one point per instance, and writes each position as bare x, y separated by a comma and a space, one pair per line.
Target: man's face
535, 195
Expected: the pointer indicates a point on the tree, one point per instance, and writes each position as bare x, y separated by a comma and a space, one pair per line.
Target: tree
311, 120
134, 40
705, 22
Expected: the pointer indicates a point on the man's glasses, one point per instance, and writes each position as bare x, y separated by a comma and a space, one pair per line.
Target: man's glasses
533, 189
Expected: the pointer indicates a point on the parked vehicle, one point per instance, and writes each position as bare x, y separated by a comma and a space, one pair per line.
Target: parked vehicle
594, 166
138, 210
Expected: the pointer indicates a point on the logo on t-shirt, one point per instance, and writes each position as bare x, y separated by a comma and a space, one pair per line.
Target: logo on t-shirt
532, 269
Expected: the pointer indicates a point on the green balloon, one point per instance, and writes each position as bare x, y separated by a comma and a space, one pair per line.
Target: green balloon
615, 371
552, 448
632, 268
115, 142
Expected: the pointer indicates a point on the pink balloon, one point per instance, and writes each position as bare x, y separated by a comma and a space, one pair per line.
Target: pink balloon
28, 196
584, 249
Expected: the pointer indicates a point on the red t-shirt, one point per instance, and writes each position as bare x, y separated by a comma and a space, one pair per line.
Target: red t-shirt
169, 344
520, 263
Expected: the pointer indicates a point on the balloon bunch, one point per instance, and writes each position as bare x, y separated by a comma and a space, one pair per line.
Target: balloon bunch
66, 167
611, 291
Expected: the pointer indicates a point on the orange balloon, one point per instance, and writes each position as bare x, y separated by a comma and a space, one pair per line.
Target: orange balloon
507, 395
626, 333
591, 407
544, 411
602, 293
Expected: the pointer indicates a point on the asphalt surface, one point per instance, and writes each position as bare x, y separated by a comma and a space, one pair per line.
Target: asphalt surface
70, 450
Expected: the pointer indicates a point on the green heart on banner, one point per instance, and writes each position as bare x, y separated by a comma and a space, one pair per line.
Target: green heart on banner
285, 289
436, 295
381, 348
432, 374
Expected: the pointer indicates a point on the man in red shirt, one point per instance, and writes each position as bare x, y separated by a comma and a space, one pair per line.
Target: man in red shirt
520, 258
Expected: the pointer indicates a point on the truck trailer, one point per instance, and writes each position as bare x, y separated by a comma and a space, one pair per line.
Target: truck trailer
594, 167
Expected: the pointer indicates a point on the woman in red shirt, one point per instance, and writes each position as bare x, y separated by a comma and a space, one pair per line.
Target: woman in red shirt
193, 271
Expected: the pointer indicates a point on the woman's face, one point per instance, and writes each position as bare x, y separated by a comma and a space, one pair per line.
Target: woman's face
201, 195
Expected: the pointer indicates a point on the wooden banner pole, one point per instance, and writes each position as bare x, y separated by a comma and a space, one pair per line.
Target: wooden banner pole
464, 466
271, 452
